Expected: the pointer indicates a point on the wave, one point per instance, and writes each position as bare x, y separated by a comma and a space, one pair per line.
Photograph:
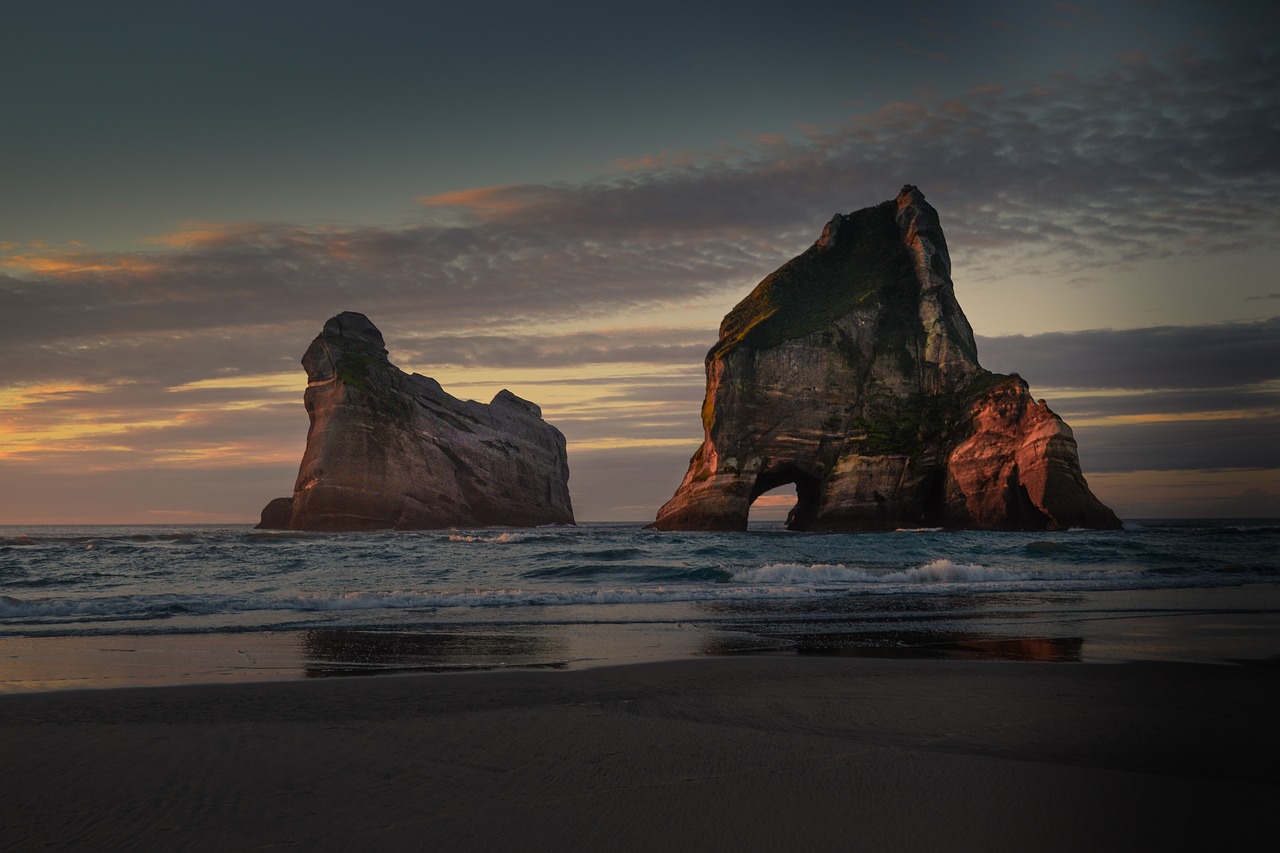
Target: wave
115, 609
779, 580
604, 555
117, 544
269, 536
644, 573
182, 614
1045, 547
933, 572
508, 538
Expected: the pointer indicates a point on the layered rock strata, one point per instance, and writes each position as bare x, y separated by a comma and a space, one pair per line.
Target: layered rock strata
387, 449
852, 372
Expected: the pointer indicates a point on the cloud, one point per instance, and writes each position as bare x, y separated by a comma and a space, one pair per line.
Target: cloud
1160, 357
650, 346
1217, 493
1246, 443
144, 495
1078, 174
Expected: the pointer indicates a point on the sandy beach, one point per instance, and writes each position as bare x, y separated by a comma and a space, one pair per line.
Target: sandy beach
747, 753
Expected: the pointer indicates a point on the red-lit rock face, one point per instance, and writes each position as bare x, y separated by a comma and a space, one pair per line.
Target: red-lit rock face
852, 372
1019, 469
386, 449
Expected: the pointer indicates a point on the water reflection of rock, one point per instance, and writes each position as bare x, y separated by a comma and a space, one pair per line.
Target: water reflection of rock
888, 608
349, 652
901, 644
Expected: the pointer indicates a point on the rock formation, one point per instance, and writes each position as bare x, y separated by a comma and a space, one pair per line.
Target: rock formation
391, 450
852, 373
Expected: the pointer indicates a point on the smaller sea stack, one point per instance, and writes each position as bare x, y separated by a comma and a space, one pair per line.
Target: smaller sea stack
387, 449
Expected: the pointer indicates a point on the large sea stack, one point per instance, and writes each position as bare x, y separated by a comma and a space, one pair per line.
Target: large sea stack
852, 373
391, 450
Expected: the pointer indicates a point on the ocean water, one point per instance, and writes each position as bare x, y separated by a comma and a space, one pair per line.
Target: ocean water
601, 593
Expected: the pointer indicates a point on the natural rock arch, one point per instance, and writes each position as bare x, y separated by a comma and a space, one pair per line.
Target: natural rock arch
853, 372
808, 494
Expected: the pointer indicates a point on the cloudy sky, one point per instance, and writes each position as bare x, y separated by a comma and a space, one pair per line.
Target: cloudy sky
563, 199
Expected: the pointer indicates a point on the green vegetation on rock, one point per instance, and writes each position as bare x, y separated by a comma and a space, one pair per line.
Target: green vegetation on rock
906, 425
361, 371
823, 284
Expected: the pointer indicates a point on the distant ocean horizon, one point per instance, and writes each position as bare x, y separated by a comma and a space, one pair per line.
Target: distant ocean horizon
105, 605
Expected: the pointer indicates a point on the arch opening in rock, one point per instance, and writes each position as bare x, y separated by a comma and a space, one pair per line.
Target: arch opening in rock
773, 488
772, 508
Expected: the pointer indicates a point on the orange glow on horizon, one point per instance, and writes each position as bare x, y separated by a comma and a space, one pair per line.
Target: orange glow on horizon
71, 263
1175, 417
1156, 494
292, 382
85, 426
20, 396
781, 500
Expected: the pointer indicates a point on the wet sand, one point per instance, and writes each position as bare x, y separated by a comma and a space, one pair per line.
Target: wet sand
748, 753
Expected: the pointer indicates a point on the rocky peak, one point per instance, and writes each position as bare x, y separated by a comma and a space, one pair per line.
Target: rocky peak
506, 398
349, 344
852, 372
354, 327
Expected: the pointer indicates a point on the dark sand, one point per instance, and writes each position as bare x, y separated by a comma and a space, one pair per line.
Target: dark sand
751, 753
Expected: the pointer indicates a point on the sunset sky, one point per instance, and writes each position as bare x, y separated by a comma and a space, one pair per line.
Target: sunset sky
564, 199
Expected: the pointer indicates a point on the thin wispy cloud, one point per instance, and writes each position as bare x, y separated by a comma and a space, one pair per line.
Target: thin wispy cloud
1144, 161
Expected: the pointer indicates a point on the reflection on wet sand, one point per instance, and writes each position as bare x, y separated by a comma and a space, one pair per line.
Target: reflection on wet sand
906, 644
355, 652
352, 652
955, 627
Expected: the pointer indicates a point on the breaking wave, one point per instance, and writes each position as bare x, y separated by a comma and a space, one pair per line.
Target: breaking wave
933, 572
508, 538
95, 579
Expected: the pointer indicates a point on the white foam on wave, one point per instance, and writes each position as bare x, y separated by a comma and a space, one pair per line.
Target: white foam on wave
793, 573
507, 538
773, 581
945, 571
936, 571
520, 597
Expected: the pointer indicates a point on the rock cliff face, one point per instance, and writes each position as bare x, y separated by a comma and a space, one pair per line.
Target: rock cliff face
852, 372
391, 450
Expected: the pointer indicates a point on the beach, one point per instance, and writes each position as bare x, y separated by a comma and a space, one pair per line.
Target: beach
606, 687
725, 753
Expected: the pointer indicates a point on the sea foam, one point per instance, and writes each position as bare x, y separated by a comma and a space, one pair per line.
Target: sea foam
935, 571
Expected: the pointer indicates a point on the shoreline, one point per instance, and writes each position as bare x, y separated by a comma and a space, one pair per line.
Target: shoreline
1217, 626
747, 752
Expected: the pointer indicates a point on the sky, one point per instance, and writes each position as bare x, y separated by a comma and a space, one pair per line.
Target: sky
564, 199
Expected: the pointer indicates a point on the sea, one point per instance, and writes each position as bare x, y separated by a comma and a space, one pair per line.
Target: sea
100, 606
